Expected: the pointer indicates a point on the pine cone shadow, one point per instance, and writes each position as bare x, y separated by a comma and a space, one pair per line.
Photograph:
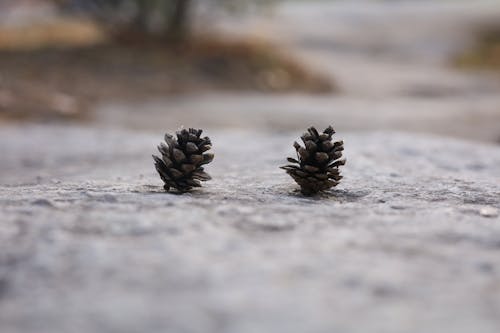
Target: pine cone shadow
157, 189
149, 189
338, 195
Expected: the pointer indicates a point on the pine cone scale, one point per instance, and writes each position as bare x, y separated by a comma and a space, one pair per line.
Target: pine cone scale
196, 159
321, 157
191, 148
168, 162
201, 175
207, 158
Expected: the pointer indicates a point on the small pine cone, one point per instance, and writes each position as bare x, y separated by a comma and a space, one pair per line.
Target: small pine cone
182, 160
317, 166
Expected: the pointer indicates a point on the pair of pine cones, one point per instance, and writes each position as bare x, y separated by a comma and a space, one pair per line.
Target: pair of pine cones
316, 168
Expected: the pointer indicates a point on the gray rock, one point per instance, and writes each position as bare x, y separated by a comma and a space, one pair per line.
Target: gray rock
398, 246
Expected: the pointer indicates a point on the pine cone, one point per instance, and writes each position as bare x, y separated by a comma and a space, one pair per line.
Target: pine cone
317, 167
182, 159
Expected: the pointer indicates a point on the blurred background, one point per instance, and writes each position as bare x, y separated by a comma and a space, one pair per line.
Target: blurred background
421, 66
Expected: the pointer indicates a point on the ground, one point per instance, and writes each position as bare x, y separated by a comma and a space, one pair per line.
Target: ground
408, 242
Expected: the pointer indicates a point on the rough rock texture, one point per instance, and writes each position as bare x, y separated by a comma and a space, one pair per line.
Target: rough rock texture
89, 241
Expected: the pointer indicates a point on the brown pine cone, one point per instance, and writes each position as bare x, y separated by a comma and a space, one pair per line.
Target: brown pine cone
317, 166
182, 160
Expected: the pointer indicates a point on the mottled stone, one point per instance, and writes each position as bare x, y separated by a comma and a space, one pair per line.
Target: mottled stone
113, 252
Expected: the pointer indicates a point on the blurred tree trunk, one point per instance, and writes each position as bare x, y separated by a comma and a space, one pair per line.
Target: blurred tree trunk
178, 23
169, 20
141, 19
175, 18
136, 20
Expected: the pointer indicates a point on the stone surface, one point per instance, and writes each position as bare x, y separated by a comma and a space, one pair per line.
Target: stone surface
89, 242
